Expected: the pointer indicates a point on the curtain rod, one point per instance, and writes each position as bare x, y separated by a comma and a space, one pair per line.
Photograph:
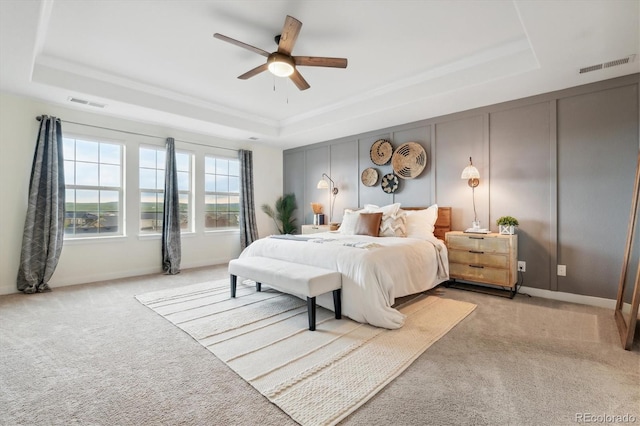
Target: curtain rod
39, 118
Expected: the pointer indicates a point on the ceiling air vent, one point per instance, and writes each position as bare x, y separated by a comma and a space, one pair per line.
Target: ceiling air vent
85, 102
609, 64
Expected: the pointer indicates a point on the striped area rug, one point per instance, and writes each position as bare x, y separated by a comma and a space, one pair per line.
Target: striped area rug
316, 377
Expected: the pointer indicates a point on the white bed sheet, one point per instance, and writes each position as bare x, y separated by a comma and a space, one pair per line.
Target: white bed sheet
372, 278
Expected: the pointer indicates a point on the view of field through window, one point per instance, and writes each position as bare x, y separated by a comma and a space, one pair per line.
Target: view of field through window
93, 179
152, 174
222, 192
95, 189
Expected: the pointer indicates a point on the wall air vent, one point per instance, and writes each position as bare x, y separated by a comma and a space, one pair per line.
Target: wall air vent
591, 68
85, 102
609, 64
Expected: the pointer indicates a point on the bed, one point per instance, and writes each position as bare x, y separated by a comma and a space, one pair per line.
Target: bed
375, 269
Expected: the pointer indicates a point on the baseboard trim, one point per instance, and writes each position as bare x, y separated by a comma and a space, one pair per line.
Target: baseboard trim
87, 279
569, 297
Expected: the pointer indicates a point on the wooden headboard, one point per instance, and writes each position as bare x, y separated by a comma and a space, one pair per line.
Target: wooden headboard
443, 223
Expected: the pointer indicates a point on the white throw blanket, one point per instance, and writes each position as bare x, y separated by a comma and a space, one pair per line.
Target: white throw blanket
347, 242
372, 278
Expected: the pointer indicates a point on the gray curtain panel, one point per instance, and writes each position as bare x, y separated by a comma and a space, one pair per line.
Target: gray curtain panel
44, 225
171, 247
248, 229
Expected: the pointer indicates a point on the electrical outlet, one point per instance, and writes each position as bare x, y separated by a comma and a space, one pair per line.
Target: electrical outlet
562, 270
522, 266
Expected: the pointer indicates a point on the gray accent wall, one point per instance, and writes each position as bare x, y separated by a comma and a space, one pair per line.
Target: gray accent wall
563, 163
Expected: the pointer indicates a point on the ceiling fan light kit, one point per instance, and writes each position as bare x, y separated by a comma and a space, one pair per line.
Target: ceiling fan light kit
281, 63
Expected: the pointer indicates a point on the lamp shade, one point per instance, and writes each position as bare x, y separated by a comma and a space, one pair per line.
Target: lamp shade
470, 172
322, 184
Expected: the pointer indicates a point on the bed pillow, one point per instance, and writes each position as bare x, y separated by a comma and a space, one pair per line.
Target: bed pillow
421, 223
349, 220
393, 223
368, 224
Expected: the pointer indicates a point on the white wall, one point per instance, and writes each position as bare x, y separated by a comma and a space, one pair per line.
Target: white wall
94, 260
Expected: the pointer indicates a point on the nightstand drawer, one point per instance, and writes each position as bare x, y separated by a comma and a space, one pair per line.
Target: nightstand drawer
479, 258
477, 243
313, 229
480, 274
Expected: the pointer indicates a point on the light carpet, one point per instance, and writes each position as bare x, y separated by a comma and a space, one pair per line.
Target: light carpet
316, 377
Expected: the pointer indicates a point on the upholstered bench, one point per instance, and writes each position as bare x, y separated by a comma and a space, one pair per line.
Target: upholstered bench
293, 278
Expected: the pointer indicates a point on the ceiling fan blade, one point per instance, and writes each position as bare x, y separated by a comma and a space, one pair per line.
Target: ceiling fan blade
241, 44
315, 61
289, 35
257, 70
299, 81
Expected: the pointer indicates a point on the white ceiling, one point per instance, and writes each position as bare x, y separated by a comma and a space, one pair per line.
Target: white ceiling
157, 61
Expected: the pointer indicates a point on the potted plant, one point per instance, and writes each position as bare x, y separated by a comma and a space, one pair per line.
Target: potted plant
283, 214
507, 225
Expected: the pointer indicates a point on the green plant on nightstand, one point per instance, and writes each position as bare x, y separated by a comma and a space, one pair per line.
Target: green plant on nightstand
283, 215
507, 225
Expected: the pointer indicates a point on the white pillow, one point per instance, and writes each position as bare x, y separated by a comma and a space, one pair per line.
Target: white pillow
421, 223
349, 221
393, 222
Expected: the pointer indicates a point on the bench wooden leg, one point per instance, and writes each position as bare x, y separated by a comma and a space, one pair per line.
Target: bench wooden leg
258, 286
311, 312
233, 280
337, 304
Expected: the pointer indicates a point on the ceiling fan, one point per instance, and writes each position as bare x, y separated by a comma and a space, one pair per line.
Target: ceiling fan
281, 63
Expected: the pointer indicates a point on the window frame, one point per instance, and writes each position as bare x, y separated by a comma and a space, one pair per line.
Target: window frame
190, 192
121, 189
217, 193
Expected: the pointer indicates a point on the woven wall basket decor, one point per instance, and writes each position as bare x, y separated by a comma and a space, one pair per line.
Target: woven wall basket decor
409, 160
369, 177
389, 183
380, 152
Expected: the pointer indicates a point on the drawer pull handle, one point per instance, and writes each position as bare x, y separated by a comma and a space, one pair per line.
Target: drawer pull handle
476, 252
477, 266
477, 238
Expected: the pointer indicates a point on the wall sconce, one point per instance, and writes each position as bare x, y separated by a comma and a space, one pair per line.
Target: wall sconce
473, 179
322, 184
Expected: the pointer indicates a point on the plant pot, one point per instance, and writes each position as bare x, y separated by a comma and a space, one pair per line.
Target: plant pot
507, 229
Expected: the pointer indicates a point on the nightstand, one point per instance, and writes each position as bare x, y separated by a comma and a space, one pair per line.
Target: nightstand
313, 229
487, 259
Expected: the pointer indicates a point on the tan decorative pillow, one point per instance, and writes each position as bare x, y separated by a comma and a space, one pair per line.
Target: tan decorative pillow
393, 220
368, 224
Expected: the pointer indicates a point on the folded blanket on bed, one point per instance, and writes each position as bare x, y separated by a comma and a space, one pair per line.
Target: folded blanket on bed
346, 243
291, 237
341, 242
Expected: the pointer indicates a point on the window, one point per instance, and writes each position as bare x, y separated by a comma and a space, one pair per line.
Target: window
152, 171
94, 190
222, 192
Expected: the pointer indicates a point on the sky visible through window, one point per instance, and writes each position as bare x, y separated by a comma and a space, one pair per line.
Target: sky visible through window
222, 192
93, 179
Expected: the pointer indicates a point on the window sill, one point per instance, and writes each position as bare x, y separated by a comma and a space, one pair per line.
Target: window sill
159, 236
215, 232
94, 240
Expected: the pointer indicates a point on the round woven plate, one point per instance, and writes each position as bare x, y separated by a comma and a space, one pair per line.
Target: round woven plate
389, 183
369, 177
409, 160
380, 152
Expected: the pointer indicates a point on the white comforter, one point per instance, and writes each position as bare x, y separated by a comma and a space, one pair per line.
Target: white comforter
372, 277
